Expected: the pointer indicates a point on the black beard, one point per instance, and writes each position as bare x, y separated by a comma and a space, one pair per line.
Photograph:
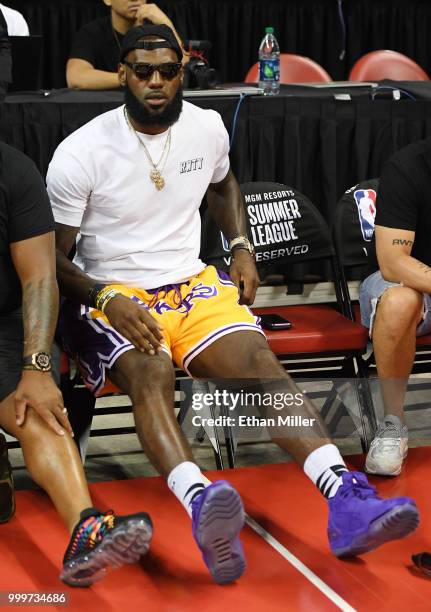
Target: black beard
148, 118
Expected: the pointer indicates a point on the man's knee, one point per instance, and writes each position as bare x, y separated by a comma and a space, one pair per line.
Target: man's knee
148, 376
400, 308
263, 363
34, 427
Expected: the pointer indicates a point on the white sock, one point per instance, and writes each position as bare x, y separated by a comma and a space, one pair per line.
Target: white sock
186, 481
325, 466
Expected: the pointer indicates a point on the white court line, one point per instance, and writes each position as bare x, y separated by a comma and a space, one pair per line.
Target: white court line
297, 564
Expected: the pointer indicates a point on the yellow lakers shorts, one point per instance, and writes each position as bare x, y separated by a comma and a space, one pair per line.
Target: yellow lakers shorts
193, 314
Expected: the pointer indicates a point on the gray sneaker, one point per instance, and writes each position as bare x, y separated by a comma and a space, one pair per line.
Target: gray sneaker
388, 449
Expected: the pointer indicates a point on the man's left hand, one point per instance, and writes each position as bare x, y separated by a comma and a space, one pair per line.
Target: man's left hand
244, 274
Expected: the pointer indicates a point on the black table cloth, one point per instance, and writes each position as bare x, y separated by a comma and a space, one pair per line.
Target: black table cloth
319, 145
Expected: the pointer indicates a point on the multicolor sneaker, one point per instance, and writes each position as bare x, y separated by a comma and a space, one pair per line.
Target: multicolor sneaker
217, 518
388, 449
360, 521
101, 540
7, 494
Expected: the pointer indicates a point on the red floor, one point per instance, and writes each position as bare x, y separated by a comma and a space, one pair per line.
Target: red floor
172, 578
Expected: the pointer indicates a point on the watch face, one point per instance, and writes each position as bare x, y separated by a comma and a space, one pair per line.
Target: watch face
42, 361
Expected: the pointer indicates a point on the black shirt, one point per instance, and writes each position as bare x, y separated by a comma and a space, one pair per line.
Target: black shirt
98, 44
404, 198
25, 212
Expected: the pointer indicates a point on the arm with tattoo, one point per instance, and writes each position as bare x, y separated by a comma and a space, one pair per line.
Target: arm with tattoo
34, 261
396, 263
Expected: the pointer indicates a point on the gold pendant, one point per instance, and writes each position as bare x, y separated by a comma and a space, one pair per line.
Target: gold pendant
157, 179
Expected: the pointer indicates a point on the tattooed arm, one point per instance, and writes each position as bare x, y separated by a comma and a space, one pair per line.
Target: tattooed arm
396, 264
34, 261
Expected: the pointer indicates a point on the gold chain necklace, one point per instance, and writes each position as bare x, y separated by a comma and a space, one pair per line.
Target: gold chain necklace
156, 172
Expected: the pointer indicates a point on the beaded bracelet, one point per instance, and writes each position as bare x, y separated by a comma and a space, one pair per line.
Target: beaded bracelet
105, 298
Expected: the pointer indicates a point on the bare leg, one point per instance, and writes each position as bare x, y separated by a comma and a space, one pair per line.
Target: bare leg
53, 462
150, 383
247, 355
394, 339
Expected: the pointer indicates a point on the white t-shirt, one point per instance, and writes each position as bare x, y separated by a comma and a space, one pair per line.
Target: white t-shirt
130, 233
16, 24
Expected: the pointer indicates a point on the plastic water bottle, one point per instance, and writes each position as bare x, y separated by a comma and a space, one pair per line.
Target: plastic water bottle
269, 63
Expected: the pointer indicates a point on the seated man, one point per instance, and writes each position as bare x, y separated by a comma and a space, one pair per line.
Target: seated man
395, 300
93, 61
131, 182
31, 405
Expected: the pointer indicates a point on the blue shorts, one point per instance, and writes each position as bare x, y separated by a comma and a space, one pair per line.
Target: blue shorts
370, 292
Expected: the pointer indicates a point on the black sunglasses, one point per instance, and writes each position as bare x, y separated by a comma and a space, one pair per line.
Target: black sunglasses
167, 71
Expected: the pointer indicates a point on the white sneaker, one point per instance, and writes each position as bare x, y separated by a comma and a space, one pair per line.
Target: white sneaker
388, 449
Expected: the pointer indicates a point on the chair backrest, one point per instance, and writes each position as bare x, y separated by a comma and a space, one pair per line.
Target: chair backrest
294, 69
353, 225
282, 223
353, 230
385, 64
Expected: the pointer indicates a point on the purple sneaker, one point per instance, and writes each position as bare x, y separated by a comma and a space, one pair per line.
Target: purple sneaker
218, 517
360, 521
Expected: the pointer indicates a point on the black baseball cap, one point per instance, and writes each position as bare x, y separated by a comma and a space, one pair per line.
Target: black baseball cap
134, 40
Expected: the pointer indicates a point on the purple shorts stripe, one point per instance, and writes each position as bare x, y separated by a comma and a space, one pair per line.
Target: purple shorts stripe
107, 329
105, 363
93, 342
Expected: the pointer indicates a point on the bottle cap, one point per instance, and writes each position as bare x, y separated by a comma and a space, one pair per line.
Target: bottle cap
269, 30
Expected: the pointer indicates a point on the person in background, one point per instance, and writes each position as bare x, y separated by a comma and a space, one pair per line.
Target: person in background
93, 61
16, 24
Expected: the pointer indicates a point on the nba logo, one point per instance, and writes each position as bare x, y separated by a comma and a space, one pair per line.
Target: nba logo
224, 242
366, 202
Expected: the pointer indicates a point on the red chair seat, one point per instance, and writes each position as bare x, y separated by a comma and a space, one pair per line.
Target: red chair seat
423, 340
315, 329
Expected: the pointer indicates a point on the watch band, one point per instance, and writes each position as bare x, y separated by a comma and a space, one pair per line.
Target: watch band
242, 242
40, 362
241, 239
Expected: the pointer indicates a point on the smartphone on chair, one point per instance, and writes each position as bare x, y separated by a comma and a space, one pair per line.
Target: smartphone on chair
274, 322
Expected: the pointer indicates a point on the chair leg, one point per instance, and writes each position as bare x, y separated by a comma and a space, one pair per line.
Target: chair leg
366, 404
328, 403
229, 439
217, 451
81, 407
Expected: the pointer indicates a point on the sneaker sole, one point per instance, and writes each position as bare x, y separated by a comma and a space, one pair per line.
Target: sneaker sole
374, 468
122, 545
221, 519
395, 524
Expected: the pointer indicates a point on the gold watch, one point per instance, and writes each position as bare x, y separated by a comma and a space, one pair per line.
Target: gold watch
242, 242
39, 362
